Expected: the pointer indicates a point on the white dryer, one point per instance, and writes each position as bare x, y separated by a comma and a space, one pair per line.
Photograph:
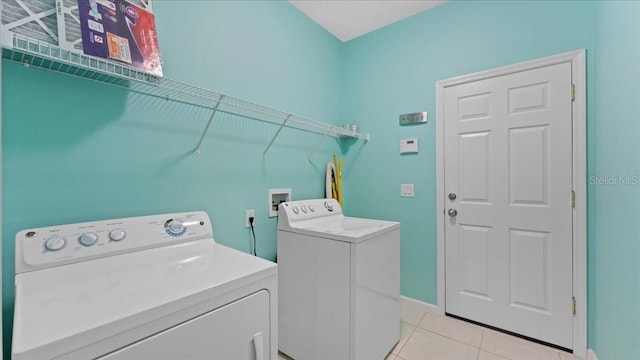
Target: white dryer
339, 283
154, 287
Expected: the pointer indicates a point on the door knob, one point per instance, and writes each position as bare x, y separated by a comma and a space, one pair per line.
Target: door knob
452, 212
452, 196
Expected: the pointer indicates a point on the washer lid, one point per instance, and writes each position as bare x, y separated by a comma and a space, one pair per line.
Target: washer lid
349, 229
60, 309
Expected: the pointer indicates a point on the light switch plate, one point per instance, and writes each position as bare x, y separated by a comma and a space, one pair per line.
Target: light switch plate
406, 190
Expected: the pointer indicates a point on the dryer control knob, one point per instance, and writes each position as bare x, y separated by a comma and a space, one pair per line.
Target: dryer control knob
117, 234
303, 208
312, 208
88, 239
55, 243
175, 227
295, 210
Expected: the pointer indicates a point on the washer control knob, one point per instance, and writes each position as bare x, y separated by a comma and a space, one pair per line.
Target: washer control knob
55, 243
329, 206
311, 208
295, 210
88, 239
117, 234
303, 208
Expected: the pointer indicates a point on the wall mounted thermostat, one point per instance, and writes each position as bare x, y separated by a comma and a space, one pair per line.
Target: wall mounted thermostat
413, 118
408, 146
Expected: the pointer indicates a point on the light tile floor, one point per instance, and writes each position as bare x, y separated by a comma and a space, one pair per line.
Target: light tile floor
425, 336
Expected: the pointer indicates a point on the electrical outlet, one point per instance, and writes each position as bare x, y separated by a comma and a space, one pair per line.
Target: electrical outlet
406, 190
249, 214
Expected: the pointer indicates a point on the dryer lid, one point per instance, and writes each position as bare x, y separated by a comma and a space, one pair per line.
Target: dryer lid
63, 308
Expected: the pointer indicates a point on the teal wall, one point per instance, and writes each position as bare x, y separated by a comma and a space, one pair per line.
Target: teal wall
393, 71
614, 233
75, 150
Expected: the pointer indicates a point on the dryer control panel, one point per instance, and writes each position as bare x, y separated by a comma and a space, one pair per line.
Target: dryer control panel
64, 244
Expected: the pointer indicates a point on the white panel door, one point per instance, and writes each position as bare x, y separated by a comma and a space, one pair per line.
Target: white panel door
508, 161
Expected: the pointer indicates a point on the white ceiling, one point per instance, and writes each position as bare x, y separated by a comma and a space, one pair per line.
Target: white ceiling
348, 19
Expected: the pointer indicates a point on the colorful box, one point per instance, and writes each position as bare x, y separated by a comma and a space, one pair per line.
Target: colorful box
120, 31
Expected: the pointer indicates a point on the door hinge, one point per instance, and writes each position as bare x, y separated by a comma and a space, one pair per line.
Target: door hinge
573, 305
573, 92
573, 199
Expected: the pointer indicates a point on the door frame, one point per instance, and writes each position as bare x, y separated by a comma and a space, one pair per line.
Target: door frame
577, 59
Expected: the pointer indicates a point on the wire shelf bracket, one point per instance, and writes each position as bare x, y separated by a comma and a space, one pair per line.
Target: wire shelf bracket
264, 153
206, 128
317, 146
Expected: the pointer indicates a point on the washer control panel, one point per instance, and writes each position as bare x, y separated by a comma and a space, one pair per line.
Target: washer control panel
308, 209
57, 245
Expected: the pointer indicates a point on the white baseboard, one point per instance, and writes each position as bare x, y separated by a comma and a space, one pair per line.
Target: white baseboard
591, 355
426, 307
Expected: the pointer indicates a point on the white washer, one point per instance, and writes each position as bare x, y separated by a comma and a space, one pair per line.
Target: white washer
339, 283
154, 287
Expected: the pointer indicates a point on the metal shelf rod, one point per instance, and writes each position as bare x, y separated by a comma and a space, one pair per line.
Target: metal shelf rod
317, 146
264, 153
206, 128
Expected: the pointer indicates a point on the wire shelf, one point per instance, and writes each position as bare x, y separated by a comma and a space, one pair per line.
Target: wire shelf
33, 52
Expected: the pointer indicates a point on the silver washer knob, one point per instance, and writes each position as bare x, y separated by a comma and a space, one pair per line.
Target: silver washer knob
88, 239
117, 234
55, 243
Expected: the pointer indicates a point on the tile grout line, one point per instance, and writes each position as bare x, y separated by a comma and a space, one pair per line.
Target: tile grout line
421, 318
456, 340
410, 335
513, 339
408, 338
485, 329
480, 345
449, 338
488, 351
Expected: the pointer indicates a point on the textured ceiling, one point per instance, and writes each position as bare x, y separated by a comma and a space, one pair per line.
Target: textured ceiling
348, 19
